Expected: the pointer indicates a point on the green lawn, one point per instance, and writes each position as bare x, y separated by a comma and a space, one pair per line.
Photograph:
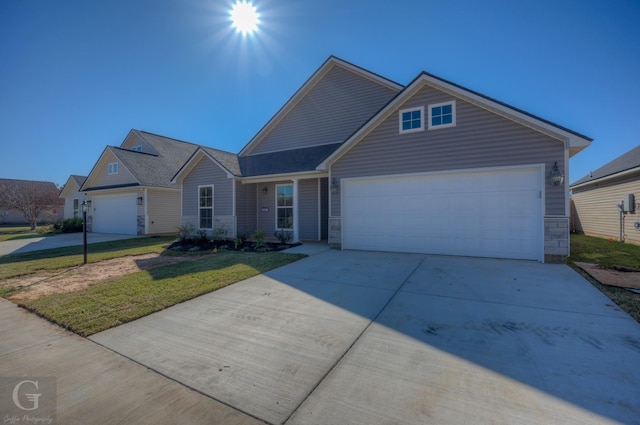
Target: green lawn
9, 233
589, 249
61, 258
110, 304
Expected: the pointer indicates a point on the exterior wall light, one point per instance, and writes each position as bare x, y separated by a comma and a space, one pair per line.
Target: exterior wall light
556, 177
140, 200
265, 190
335, 186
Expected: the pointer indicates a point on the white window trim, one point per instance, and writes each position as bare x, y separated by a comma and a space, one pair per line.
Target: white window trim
200, 208
412, 130
76, 207
112, 168
453, 115
285, 229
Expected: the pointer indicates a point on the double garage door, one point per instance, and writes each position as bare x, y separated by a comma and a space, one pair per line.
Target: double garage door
115, 214
493, 213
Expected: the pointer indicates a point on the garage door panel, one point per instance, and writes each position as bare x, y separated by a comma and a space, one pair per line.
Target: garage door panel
115, 214
492, 213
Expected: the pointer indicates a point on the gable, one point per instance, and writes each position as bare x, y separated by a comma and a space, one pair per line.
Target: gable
480, 139
100, 177
333, 104
135, 141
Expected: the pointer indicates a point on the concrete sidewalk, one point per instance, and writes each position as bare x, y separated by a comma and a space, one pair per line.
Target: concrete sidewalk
94, 385
51, 242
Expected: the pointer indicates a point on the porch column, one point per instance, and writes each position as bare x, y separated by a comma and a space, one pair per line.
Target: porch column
295, 212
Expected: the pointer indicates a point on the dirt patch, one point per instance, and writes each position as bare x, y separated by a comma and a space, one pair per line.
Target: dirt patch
612, 277
77, 278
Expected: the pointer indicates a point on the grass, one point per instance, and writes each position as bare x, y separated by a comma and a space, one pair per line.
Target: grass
110, 304
609, 254
14, 265
9, 233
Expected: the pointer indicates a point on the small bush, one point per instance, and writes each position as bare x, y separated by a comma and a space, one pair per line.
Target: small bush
70, 225
258, 237
284, 237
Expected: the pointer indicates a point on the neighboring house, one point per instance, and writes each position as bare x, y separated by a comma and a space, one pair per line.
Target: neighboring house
369, 164
129, 189
606, 201
73, 197
12, 216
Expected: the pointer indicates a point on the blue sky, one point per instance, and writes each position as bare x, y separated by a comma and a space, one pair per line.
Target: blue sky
77, 75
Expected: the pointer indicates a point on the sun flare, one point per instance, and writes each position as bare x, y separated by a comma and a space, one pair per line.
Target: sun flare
245, 17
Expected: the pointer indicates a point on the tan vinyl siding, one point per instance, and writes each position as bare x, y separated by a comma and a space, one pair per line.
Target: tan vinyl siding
332, 110
207, 173
246, 209
480, 139
309, 208
100, 176
596, 213
163, 212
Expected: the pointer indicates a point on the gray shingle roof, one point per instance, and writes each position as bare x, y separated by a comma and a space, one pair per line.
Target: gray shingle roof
227, 159
156, 170
624, 162
290, 161
79, 179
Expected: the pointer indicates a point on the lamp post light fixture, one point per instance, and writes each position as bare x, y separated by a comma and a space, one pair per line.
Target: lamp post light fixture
84, 229
556, 177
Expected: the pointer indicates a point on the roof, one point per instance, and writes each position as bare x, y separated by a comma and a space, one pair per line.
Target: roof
575, 142
155, 170
227, 160
40, 186
624, 163
283, 162
78, 179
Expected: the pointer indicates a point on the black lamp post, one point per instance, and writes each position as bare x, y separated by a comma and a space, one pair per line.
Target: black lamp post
84, 229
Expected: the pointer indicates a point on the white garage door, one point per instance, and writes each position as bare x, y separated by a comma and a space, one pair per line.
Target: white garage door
496, 213
115, 214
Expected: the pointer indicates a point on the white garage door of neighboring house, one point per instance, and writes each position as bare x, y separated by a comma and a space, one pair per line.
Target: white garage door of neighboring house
493, 213
115, 214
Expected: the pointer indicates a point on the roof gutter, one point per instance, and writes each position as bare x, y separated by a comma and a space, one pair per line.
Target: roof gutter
606, 178
284, 176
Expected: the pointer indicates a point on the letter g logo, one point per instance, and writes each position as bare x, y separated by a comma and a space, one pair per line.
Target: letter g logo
34, 398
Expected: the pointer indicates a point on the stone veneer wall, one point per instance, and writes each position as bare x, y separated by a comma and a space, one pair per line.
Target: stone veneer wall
335, 229
556, 239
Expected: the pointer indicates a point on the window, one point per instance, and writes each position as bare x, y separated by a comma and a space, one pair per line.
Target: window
76, 204
137, 148
442, 115
113, 168
205, 207
411, 120
284, 206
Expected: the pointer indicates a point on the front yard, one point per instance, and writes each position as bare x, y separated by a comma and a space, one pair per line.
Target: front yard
47, 282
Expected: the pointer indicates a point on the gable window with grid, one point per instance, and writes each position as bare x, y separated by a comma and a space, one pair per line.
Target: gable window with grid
442, 115
411, 120
284, 206
113, 168
205, 207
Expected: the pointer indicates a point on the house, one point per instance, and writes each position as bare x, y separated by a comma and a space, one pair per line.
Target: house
366, 163
36, 196
129, 189
606, 201
72, 196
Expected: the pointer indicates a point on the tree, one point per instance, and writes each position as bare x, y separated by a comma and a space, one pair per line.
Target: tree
31, 198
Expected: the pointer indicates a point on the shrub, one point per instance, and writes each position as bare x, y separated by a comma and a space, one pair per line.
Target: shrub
283, 236
258, 237
69, 225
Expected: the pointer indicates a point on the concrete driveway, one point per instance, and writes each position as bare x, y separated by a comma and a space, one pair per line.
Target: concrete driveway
51, 242
380, 338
